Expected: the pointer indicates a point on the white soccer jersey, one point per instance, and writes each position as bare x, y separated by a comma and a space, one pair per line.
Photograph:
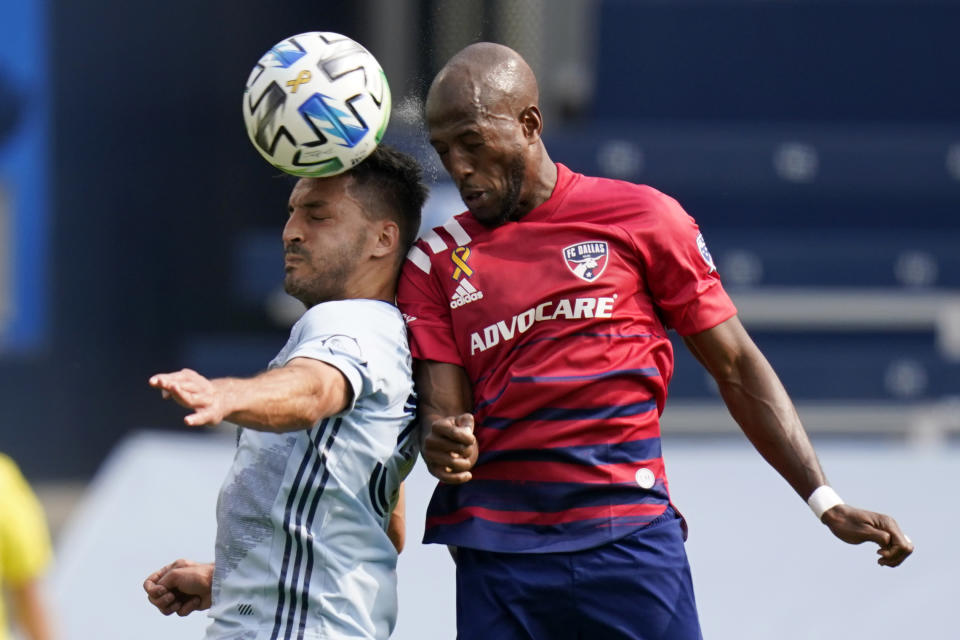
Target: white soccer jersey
302, 549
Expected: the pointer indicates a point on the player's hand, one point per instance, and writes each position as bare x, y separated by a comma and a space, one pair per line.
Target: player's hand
450, 449
181, 587
191, 390
855, 526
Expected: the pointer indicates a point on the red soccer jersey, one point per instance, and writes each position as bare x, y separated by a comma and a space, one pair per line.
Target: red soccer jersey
560, 323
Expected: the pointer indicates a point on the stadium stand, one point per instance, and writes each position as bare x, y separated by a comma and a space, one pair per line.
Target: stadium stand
825, 186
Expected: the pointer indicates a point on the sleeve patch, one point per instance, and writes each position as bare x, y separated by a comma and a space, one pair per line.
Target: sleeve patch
705, 253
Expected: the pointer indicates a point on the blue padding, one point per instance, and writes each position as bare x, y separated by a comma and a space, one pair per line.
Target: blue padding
832, 257
257, 265
768, 61
837, 366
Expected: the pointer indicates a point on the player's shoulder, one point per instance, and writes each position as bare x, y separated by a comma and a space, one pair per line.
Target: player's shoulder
353, 317
14, 490
632, 207
9, 471
458, 232
623, 191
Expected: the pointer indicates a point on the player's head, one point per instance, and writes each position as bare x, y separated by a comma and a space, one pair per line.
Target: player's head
346, 235
485, 124
391, 184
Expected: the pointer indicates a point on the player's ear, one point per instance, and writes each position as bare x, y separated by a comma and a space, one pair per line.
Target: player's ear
531, 121
388, 238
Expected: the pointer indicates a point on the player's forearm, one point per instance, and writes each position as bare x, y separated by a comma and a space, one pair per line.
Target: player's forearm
283, 399
31, 611
397, 527
759, 403
443, 390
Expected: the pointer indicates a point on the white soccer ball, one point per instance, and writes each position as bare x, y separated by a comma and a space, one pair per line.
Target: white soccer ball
316, 104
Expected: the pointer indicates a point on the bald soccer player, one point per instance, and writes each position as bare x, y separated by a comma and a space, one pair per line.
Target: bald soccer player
538, 319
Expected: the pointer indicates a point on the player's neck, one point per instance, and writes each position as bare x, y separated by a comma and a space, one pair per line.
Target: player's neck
375, 283
542, 183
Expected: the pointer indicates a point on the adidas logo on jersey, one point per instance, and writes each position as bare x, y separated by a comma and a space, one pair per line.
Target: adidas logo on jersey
465, 294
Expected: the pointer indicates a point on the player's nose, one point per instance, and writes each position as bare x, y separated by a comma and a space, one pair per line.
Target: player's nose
292, 231
459, 167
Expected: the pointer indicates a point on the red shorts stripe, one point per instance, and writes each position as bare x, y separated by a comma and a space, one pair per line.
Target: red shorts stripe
559, 517
517, 399
528, 471
572, 433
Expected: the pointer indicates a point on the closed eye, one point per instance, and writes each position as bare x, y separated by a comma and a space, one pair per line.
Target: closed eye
472, 140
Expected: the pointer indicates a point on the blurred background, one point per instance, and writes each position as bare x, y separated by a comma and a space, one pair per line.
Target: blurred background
817, 143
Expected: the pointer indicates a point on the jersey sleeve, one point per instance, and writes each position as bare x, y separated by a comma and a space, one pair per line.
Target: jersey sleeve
427, 311
680, 272
24, 538
329, 335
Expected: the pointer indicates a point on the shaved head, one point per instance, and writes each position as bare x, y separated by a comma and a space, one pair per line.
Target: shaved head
485, 123
490, 75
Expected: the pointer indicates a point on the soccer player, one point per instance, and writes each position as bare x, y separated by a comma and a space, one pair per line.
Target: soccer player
24, 555
538, 321
303, 542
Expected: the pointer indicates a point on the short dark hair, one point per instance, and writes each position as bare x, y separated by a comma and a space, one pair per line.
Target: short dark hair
397, 181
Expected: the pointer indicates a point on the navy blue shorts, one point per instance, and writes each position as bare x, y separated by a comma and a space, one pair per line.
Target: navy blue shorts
636, 588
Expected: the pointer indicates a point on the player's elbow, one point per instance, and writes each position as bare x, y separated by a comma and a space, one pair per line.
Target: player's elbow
734, 367
727, 373
310, 412
297, 423
329, 404
321, 390
319, 405
317, 410
302, 414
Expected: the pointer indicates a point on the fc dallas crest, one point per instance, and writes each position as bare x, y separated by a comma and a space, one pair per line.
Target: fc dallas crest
587, 260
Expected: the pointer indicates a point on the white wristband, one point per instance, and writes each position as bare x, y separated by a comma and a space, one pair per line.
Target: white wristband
822, 499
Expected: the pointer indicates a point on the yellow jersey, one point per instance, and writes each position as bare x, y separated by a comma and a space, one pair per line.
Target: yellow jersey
24, 537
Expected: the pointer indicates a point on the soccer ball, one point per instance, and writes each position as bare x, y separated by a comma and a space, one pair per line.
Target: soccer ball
316, 104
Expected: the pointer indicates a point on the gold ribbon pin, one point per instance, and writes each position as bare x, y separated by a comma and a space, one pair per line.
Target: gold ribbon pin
460, 256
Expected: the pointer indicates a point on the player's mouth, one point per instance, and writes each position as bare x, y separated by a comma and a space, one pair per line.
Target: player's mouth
473, 198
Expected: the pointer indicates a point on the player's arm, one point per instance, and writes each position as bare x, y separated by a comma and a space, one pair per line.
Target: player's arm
397, 527
30, 610
760, 405
444, 403
25, 550
294, 396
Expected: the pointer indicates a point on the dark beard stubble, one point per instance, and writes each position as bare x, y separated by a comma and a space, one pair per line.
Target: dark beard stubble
330, 283
509, 211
